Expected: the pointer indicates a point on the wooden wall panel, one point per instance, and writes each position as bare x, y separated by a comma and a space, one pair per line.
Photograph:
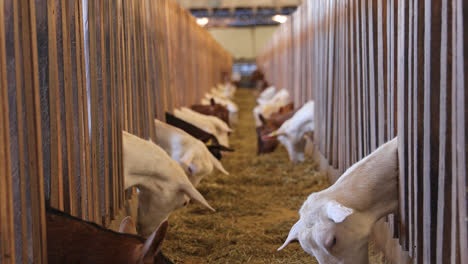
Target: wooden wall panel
23, 230
73, 75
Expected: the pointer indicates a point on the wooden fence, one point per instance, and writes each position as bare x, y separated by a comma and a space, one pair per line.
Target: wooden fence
378, 69
73, 74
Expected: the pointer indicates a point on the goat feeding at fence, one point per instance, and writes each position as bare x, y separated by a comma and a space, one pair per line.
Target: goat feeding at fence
213, 109
162, 183
266, 95
191, 154
226, 90
264, 143
210, 140
335, 223
232, 107
269, 107
209, 124
71, 240
292, 132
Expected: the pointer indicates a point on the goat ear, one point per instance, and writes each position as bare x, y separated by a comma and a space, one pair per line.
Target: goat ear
217, 164
127, 226
153, 243
191, 192
293, 233
338, 212
273, 135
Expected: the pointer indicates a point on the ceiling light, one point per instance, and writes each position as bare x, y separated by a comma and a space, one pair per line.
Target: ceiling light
202, 21
280, 18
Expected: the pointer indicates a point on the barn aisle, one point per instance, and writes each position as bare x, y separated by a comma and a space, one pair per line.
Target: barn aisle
256, 205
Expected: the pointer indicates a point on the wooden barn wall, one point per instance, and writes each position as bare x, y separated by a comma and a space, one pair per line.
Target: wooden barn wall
73, 75
380, 69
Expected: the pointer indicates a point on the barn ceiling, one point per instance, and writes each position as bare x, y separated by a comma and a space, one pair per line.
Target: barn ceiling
238, 13
189, 4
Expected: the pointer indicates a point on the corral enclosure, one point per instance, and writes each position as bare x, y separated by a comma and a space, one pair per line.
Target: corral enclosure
73, 75
380, 69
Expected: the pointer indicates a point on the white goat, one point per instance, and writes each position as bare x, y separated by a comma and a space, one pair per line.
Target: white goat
162, 183
291, 133
335, 224
266, 95
271, 106
194, 157
209, 124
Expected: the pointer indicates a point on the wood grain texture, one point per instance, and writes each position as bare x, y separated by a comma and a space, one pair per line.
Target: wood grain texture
7, 233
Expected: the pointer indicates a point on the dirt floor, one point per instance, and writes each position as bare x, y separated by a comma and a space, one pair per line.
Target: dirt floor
256, 205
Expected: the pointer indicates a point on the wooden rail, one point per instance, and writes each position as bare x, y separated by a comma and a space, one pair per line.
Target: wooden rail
73, 75
378, 69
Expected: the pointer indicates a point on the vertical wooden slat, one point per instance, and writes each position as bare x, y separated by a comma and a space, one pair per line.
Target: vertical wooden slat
67, 73
111, 101
56, 176
391, 66
347, 95
335, 86
372, 79
402, 117
149, 109
22, 156
82, 111
329, 81
106, 111
359, 82
121, 123
168, 49
431, 123
462, 131
93, 69
380, 14
86, 107
418, 132
62, 111
7, 235
444, 179
364, 78
409, 225
455, 213
353, 85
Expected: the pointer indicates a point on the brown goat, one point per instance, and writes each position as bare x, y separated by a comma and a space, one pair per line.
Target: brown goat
213, 109
267, 145
71, 240
284, 110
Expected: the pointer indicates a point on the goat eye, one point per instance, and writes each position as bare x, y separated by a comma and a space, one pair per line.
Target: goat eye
330, 243
333, 243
